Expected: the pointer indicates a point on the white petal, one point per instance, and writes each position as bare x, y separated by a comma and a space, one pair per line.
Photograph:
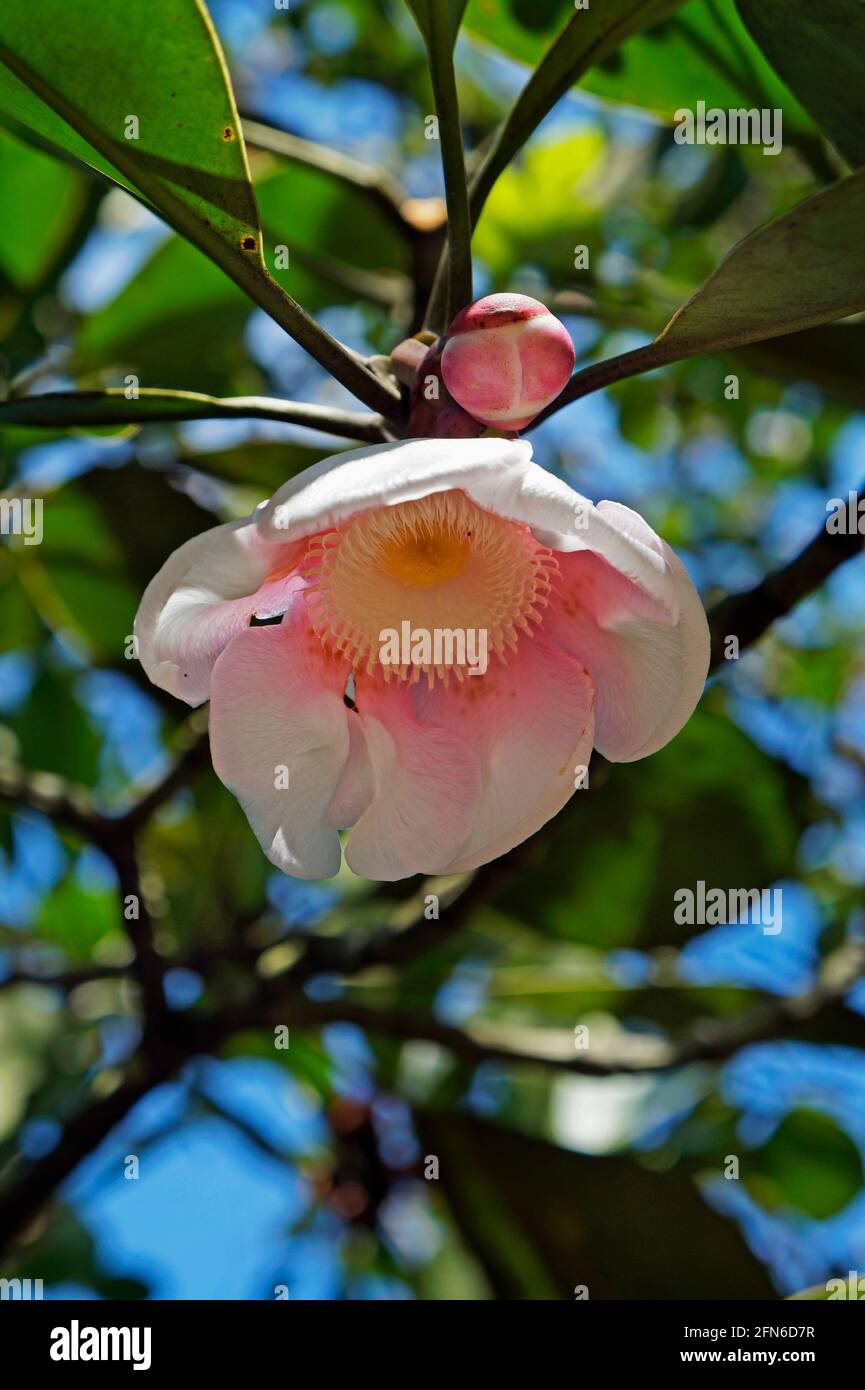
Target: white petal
496, 473
203, 596
277, 708
383, 475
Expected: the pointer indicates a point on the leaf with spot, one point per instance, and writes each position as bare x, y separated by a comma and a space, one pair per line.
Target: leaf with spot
159, 119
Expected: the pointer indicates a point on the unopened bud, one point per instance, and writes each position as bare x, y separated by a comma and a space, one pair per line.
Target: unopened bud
506, 357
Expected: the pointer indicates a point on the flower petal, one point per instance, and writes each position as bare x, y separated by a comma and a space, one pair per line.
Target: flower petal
277, 705
427, 783
648, 658
498, 474
382, 475
203, 596
531, 723
356, 787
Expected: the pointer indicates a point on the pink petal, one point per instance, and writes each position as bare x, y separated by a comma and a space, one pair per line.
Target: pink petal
647, 658
203, 596
356, 787
277, 703
530, 722
426, 783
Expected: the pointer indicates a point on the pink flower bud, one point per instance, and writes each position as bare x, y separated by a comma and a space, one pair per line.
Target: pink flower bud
506, 357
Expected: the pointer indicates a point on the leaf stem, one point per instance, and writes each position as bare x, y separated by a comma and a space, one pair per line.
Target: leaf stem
459, 257
111, 407
568, 57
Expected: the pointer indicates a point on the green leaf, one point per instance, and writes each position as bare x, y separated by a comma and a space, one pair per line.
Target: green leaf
704, 51
41, 198
809, 1163
28, 117
544, 1220
701, 51
520, 28
818, 48
587, 38
160, 111
803, 269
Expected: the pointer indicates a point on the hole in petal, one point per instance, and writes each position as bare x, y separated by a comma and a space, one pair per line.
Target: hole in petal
349, 696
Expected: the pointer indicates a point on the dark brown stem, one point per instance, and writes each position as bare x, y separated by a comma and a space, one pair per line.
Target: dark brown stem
748, 615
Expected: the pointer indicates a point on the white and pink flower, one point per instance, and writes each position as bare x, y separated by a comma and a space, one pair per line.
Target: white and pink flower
595, 635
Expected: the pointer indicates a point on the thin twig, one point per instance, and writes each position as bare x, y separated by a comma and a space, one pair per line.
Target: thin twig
377, 183
84, 1133
151, 406
748, 615
458, 256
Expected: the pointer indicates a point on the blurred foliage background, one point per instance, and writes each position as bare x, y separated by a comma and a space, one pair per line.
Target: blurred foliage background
308, 1166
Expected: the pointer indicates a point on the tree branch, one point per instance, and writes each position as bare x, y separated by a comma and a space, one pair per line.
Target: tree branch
151, 406
639, 1054
84, 1133
748, 615
710, 1040
73, 807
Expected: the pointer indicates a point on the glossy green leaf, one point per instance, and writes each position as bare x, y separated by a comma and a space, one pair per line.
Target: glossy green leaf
703, 52
818, 48
161, 113
41, 198
803, 269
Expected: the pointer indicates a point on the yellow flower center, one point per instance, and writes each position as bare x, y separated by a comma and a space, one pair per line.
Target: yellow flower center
425, 557
438, 565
